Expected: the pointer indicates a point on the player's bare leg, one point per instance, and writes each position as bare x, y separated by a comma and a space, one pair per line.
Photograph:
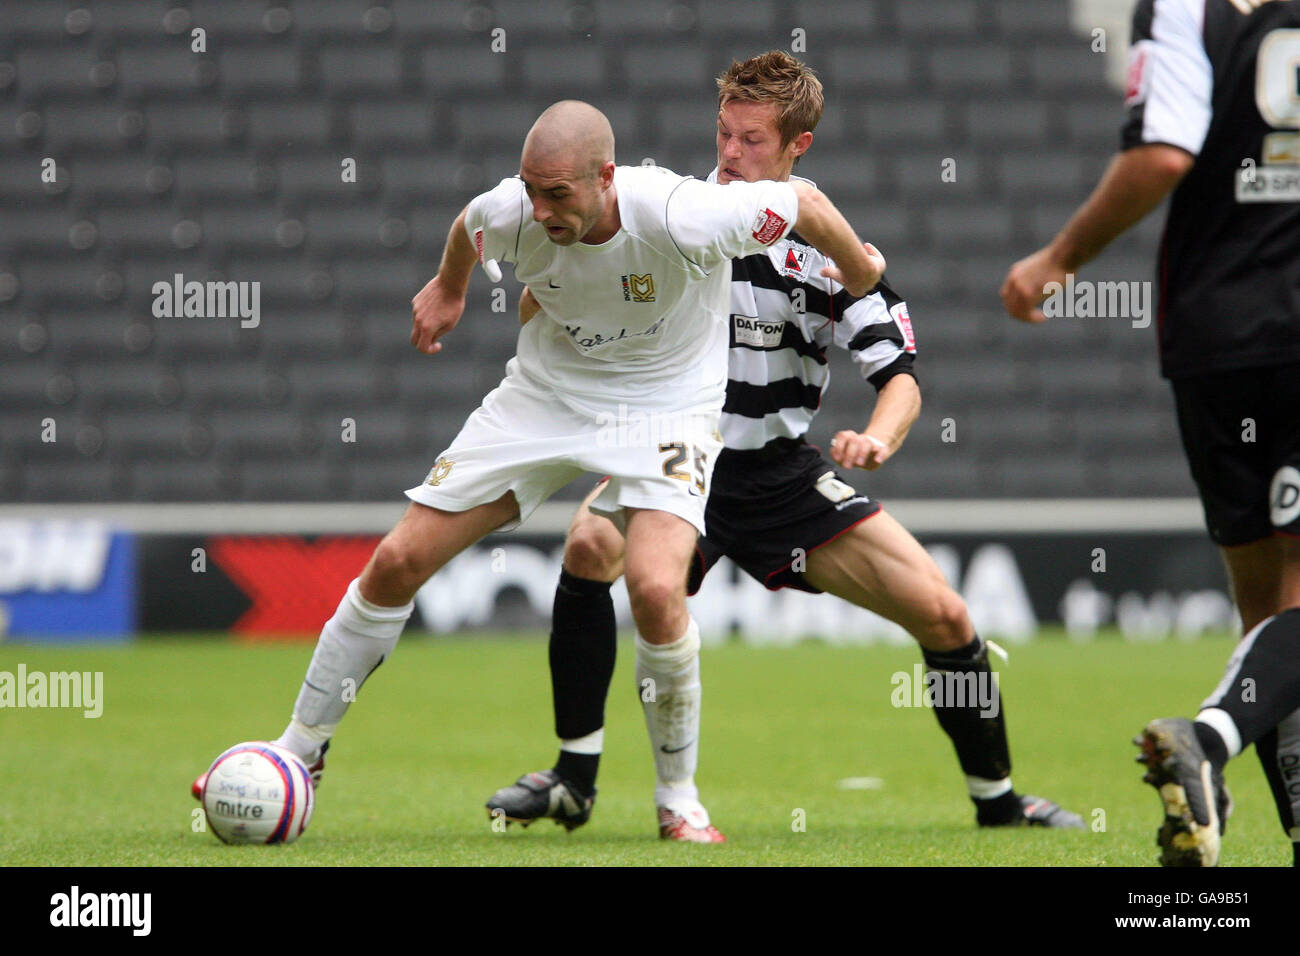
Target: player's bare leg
659, 549
1265, 578
879, 566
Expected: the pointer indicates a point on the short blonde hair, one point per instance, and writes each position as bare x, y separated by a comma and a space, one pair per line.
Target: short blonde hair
776, 77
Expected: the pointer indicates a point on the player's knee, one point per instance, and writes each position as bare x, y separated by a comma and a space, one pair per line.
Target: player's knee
398, 566
591, 552
946, 624
654, 594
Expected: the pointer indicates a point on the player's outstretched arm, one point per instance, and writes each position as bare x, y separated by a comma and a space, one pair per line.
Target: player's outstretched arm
1136, 181
437, 307
858, 265
897, 406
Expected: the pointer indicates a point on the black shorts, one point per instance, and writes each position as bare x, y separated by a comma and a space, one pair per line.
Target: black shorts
1241, 431
772, 505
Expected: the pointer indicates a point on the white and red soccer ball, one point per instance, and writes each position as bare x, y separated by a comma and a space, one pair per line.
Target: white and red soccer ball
256, 792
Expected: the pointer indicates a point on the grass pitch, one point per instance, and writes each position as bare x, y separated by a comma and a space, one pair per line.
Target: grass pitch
450, 719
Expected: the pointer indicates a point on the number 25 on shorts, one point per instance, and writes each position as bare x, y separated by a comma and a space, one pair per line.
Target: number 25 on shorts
677, 453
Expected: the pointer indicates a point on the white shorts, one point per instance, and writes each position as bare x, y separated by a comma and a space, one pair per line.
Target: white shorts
526, 440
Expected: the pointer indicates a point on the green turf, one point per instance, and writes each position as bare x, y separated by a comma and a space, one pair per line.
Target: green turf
449, 720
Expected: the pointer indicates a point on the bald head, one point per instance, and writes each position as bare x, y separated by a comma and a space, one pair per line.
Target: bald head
571, 134
567, 168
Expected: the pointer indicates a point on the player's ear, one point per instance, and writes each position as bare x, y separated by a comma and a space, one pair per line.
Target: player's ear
606, 175
799, 145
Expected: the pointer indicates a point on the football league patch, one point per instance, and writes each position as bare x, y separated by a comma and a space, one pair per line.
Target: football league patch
1138, 83
904, 320
768, 227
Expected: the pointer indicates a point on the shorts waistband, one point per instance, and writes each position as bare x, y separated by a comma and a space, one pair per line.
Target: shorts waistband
747, 457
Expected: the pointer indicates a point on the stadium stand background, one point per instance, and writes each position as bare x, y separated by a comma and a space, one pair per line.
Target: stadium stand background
226, 165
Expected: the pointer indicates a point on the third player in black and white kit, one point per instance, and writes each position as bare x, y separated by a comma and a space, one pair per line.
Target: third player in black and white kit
777, 508
1214, 117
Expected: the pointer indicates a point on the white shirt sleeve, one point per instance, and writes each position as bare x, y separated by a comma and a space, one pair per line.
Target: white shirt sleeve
712, 224
495, 219
1171, 80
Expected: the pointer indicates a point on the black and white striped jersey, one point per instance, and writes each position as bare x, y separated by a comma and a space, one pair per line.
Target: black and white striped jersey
784, 316
1221, 80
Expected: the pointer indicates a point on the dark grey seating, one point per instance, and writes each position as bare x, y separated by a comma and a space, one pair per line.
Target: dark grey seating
228, 165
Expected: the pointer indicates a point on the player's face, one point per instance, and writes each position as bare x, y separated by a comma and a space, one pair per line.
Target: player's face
566, 201
749, 144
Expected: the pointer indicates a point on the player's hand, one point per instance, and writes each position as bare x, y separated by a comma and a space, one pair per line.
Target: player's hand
528, 306
1025, 286
865, 277
850, 449
435, 310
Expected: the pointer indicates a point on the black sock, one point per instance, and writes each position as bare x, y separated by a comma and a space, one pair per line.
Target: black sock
978, 733
1214, 746
1264, 685
990, 811
584, 642
579, 769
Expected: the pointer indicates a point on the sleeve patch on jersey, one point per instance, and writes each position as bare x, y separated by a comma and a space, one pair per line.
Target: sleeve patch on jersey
478, 243
1138, 83
904, 320
768, 227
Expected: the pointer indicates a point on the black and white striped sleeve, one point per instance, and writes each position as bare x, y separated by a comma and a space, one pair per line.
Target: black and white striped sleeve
1170, 77
876, 330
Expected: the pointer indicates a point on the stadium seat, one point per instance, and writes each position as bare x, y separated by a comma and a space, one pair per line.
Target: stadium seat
353, 68
286, 122
927, 20
387, 123
888, 68
970, 68
574, 70
1032, 19
172, 479
56, 70
659, 69
257, 69
748, 18
825, 21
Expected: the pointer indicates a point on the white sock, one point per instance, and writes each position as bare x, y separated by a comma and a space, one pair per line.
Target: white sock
593, 743
356, 640
981, 788
1222, 724
673, 716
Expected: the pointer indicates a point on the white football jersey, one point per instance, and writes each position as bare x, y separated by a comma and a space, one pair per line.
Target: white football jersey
641, 319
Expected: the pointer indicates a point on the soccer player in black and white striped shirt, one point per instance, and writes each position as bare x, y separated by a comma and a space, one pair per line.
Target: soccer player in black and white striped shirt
776, 508
1214, 123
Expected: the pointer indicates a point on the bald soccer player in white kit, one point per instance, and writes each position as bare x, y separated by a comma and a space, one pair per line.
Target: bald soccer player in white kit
631, 266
